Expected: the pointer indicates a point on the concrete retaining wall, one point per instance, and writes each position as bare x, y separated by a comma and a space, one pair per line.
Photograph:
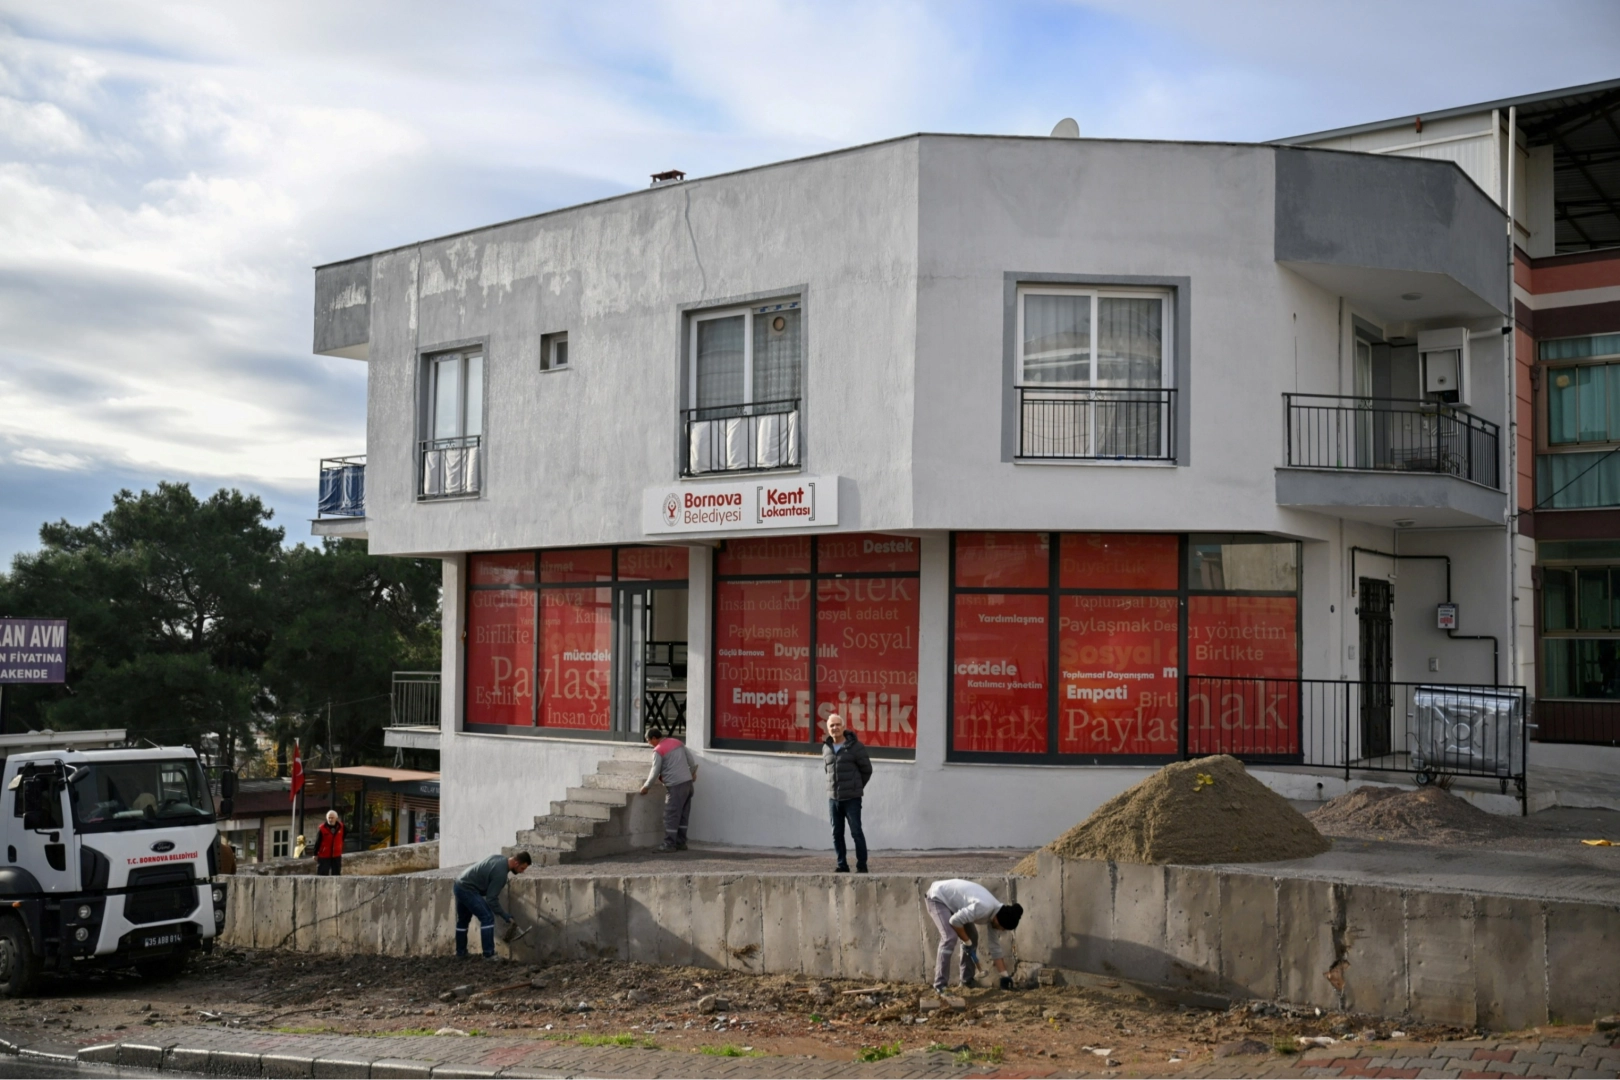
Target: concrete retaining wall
1496, 961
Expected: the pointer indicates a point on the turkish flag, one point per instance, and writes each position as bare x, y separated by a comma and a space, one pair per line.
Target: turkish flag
297, 773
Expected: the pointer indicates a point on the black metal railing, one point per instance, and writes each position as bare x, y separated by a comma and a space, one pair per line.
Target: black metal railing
1595, 723
414, 699
451, 468
1426, 729
1391, 435
1097, 423
343, 487
741, 438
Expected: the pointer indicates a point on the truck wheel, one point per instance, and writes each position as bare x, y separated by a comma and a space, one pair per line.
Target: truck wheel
167, 967
19, 967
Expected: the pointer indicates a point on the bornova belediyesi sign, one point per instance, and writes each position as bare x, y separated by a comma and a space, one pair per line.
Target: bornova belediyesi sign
33, 651
763, 502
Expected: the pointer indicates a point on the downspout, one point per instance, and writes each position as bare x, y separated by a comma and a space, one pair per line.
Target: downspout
1496, 651
1510, 379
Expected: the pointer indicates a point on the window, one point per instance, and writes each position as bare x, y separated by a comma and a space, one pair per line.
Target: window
280, 845
554, 352
450, 456
1583, 404
746, 388
586, 641
1065, 648
1580, 623
850, 601
1583, 425
1094, 373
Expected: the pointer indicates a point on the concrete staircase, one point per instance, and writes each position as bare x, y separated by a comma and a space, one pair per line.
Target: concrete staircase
603, 816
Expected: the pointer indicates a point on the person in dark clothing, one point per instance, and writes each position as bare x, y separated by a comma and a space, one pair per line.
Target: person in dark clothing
329, 846
477, 893
849, 767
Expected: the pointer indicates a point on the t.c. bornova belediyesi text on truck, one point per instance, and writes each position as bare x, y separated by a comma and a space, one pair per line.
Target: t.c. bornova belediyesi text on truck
109, 860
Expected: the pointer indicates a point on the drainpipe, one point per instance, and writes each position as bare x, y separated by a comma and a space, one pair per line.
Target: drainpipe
1496, 650
1510, 379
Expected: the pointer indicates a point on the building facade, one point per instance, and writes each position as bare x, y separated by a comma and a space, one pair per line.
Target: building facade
1042, 461
1555, 157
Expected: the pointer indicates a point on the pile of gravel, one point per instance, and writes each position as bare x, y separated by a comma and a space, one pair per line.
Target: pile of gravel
1427, 815
1209, 810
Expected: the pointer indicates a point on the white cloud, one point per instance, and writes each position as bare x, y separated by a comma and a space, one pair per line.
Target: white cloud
45, 459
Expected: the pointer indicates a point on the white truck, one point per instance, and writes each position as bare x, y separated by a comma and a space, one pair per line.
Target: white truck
108, 858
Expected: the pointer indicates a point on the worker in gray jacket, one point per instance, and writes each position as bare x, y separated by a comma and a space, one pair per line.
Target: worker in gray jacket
675, 766
849, 767
478, 892
957, 907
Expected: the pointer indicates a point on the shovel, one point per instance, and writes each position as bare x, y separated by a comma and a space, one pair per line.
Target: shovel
514, 932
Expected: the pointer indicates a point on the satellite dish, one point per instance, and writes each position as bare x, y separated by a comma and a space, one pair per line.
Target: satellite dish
1066, 129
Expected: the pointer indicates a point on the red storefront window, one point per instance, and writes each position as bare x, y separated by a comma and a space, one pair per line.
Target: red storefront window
505, 568
1117, 674
762, 661
500, 657
868, 553
1119, 561
652, 563
992, 560
866, 657
576, 564
765, 557
576, 658
1236, 645
999, 676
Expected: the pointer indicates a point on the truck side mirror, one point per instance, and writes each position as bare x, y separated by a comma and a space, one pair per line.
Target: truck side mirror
227, 785
34, 820
227, 808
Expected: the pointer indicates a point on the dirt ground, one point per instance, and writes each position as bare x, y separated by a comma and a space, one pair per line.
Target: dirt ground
1056, 1028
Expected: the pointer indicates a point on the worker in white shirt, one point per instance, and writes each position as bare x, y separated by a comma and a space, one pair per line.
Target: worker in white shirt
957, 907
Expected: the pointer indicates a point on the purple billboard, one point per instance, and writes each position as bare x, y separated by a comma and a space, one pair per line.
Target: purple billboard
33, 651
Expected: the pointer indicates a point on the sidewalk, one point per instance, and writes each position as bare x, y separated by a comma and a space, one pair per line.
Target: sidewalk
215, 1051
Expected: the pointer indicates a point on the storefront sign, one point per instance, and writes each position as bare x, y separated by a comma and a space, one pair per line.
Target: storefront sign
999, 673
500, 657
786, 502
866, 656
762, 661
33, 651
1117, 674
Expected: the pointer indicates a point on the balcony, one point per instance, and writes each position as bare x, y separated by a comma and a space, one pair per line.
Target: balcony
451, 468
1097, 424
413, 707
741, 438
341, 504
1391, 462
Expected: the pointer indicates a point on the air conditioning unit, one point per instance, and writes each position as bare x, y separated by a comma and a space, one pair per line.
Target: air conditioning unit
1443, 364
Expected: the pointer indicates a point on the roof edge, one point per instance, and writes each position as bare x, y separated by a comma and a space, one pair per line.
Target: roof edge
1446, 114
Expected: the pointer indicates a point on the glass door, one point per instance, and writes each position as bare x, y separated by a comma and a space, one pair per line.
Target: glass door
632, 609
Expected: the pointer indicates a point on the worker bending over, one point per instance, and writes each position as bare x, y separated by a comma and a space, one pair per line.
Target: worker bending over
478, 893
957, 907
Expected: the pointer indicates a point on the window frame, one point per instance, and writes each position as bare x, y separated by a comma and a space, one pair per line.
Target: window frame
280, 843
549, 344
1054, 591
464, 356
1167, 330
749, 311
1574, 632
812, 578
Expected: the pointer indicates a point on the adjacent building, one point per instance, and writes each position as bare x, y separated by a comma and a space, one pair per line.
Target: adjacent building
1041, 460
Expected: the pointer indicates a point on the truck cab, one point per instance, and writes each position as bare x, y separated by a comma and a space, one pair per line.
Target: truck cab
107, 859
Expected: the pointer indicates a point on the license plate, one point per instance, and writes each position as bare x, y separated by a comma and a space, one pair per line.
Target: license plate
155, 940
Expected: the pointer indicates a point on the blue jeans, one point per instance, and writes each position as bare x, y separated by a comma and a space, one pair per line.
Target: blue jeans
469, 905
842, 810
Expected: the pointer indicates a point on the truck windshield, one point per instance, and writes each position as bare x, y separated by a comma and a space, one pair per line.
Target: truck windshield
139, 795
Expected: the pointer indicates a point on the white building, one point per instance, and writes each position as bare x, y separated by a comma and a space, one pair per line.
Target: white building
972, 438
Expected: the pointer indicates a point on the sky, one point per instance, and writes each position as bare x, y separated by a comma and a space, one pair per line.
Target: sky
171, 172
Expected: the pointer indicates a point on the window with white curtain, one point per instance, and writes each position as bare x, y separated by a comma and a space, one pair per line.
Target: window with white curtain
451, 458
746, 384
1094, 373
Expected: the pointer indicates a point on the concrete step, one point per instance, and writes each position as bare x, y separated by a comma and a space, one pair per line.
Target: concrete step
593, 811
551, 841
539, 858
625, 767
614, 781
608, 796
636, 751
578, 826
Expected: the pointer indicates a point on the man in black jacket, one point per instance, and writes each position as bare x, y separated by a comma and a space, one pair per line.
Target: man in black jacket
848, 767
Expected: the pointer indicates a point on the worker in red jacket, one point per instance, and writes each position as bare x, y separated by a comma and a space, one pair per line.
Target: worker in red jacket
329, 846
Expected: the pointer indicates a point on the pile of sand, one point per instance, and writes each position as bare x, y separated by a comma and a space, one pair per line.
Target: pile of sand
1205, 811
1427, 815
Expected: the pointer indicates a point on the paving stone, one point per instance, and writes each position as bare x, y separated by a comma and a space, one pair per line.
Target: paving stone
1576, 1061
1508, 1068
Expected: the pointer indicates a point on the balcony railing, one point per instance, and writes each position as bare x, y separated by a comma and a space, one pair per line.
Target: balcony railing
343, 487
451, 468
414, 701
741, 438
1391, 435
1098, 423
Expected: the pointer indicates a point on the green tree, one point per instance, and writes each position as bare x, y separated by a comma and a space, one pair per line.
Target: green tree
348, 620
169, 600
